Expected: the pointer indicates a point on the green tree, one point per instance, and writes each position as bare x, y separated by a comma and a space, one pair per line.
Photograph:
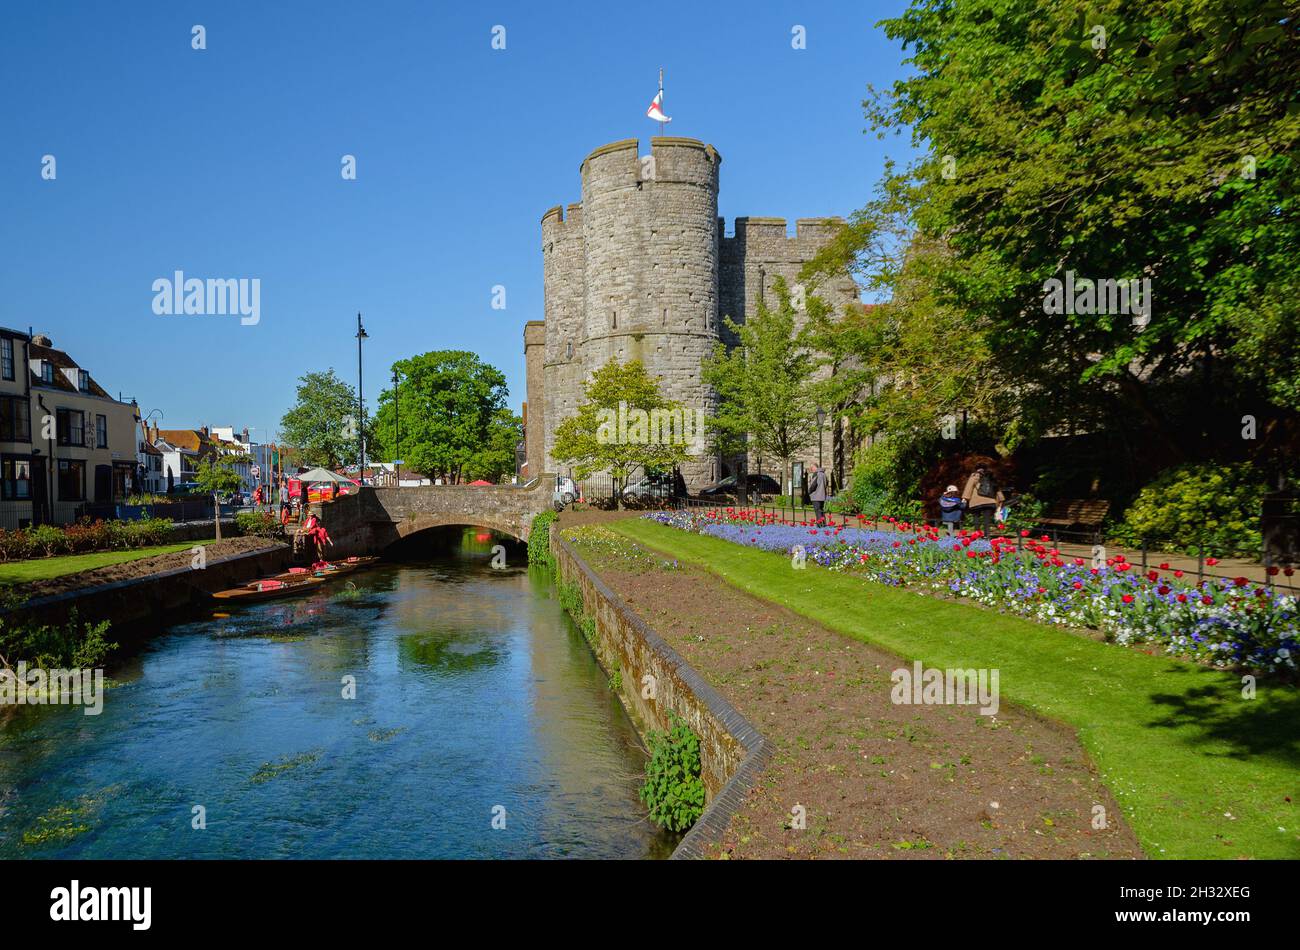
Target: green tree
217, 476
453, 417
615, 430
767, 395
323, 422
1121, 141
495, 458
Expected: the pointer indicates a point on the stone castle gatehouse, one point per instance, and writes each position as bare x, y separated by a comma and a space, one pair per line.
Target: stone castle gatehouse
642, 269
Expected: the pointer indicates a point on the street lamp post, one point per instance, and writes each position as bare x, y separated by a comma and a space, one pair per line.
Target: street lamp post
361, 406
397, 428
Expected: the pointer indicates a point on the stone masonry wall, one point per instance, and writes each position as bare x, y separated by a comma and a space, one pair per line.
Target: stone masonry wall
733, 753
641, 269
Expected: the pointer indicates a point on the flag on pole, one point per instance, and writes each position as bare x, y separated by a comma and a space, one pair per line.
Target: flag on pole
656, 111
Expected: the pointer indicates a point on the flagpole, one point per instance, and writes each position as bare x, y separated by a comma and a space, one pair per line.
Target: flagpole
662, 110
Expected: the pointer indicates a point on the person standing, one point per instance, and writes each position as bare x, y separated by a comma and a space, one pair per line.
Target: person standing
980, 496
817, 491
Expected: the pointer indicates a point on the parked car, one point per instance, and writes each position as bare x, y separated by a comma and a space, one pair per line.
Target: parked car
658, 485
566, 490
757, 484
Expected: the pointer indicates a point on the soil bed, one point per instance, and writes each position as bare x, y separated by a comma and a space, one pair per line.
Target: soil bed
142, 567
876, 780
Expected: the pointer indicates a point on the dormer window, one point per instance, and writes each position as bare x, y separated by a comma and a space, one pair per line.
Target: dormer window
83, 380
47, 371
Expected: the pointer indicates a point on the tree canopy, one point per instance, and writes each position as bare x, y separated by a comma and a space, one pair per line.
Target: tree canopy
451, 410
594, 439
1111, 141
322, 424
767, 397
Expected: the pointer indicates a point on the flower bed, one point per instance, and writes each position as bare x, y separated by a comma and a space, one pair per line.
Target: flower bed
49, 540
1223, 622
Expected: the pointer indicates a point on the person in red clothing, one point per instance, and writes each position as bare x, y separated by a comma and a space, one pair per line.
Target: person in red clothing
315, 531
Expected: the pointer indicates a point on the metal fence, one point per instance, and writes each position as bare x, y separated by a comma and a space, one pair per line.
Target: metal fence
602, 490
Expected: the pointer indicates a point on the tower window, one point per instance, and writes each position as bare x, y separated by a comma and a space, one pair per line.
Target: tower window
613, 319
665, 316
568, 351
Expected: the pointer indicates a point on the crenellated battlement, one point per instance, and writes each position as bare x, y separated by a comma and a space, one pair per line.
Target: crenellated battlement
641, 268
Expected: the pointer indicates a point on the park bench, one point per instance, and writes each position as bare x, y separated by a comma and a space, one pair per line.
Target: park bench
1068, 512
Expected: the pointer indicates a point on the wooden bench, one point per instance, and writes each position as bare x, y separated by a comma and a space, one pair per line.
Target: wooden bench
1068, 512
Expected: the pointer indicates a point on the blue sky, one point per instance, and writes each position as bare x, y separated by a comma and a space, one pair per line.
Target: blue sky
225, 163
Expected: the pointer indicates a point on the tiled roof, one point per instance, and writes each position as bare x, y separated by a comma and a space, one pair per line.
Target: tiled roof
192, 440
61, 360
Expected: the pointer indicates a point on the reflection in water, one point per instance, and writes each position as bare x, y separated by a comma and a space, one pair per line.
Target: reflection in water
473, 693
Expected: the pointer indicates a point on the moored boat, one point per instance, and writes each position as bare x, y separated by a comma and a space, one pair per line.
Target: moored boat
333, 569
269, 588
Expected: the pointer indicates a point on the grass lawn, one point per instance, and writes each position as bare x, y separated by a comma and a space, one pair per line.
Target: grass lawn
43, 568
1200, 771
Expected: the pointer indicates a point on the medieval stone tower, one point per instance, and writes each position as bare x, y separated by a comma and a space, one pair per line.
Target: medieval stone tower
641, 269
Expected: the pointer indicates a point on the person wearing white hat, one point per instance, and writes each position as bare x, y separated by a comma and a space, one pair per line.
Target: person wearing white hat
951, 507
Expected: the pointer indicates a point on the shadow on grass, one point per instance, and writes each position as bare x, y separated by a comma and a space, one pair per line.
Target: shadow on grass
1268, 725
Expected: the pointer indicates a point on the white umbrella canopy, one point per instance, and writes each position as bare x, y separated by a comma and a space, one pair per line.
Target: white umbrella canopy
324, 475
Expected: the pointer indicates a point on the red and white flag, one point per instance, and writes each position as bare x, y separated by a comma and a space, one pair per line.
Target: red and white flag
656, 110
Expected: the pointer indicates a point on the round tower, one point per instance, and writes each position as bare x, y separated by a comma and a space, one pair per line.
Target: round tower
650, 240
563, 270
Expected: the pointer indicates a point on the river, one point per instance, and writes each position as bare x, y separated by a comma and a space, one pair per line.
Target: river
481, 728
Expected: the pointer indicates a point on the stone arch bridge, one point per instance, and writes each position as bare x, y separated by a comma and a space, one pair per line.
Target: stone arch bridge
370, 520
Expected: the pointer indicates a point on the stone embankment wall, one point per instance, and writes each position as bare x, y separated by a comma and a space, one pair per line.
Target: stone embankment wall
732, 752
135, 606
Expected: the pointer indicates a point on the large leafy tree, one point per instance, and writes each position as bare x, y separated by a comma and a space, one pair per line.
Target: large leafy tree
588, 441
323, 423
766, 383
451, 409
1118, 140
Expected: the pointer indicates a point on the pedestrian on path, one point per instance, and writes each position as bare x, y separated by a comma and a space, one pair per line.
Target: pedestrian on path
981, 496
950, 508
817, 491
